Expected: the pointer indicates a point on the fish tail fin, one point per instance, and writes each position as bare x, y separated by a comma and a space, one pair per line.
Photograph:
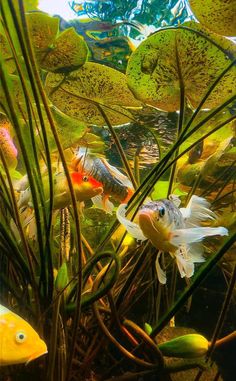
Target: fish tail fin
197, 210
184, 262
161, 274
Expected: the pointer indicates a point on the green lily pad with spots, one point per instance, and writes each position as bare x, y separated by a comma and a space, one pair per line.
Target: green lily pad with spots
158, 65
43, 31
56, 52
79, 94
217, 15
7, 54
69, 130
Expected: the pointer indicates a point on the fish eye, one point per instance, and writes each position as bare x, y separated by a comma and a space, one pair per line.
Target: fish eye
161, 211
20, 337
85, 178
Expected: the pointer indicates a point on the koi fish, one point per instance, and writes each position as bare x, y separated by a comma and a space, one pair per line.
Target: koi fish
19, 342
174, 230
115, 184
85, 188
8, 148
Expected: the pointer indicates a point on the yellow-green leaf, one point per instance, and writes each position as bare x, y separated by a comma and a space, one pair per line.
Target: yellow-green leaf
43, 30
7, 54
68, 53
156, 66
79, 93
57, 52
217, 15
69, 130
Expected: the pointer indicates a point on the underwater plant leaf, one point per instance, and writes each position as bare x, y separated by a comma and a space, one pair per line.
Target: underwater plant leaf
30, 5
15, 83
69, 130
68, 53
57, 52
77, 94
155, 68
161, 190
43, 31
7, 55
92, 141
217, 15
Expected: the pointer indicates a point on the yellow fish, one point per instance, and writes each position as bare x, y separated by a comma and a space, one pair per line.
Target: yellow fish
173, 230
19, 342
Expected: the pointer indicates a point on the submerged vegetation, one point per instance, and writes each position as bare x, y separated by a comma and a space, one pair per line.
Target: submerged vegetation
67, 266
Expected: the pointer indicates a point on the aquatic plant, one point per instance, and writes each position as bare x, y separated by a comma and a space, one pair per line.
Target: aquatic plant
77, 278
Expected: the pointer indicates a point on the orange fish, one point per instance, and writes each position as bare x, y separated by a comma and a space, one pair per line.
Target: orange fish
85, 187
115, 184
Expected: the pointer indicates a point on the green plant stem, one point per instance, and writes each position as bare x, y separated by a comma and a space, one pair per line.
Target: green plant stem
118, 146
199, 277
53, 340
221, 319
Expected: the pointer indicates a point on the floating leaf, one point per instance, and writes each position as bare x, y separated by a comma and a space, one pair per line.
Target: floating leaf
155, 68
78, 94
217, 15
68, 53
43, 30
7, 54
55, 52
69, 130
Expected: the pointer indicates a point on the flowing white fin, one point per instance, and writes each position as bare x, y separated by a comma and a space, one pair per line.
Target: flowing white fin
104, 204
175, 199
161, 274
195, 252
24, 198
190, 235
132, 228
197, 210
184, 264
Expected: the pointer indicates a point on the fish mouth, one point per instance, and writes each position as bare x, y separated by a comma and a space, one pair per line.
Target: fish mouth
146, 219
42, 350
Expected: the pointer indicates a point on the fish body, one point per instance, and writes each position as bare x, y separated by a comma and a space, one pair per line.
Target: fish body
8, 148
157, 219
19, 342
85, 187
115, 184
174, 230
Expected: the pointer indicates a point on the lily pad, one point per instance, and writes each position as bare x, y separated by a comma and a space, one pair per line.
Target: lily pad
79, 93
156, 67
7, 54
217, 15
69, 130
43, 30
56, 52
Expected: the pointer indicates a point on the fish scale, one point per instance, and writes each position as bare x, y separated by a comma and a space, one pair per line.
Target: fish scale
111, 184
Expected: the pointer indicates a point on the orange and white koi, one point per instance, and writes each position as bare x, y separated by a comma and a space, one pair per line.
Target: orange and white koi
85, 188
115, 184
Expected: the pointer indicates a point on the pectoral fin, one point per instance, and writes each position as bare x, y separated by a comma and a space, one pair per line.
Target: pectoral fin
186, 236
132, 228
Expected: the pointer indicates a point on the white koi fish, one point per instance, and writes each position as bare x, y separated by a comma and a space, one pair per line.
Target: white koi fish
174, 230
